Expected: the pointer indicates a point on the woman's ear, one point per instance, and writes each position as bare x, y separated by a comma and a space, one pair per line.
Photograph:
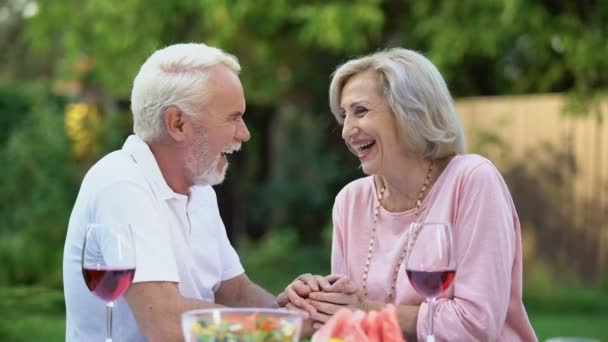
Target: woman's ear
175, 123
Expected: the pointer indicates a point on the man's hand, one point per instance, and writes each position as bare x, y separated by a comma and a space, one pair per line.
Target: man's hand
157, 307
307, 323
240, 291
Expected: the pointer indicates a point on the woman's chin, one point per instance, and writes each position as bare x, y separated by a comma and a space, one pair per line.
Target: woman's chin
368, 169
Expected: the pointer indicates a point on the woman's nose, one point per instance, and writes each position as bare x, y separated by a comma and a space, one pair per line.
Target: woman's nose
348, 128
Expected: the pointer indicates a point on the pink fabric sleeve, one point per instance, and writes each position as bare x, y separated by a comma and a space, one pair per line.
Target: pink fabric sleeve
338, 262
484, 230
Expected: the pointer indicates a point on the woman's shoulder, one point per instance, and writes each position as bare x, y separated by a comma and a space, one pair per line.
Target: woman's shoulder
357, 190
467, 164
473, 168
470, 161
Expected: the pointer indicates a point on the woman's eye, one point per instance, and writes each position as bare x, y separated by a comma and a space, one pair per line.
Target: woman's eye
360, 110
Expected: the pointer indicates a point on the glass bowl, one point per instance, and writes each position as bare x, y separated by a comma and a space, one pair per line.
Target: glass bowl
241, 325
571, 339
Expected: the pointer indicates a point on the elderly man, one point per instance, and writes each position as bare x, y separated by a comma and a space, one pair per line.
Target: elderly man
188, 104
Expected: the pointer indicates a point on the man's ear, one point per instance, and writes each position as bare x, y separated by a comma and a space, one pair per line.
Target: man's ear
175, 123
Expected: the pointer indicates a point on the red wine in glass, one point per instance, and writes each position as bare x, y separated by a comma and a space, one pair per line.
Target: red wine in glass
431, 284
108, 284
431, 262
108, 264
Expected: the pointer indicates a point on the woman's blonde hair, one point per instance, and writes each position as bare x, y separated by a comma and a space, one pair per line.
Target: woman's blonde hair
417, 95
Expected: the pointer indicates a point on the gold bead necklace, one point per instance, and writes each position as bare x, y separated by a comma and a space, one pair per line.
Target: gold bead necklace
391, 292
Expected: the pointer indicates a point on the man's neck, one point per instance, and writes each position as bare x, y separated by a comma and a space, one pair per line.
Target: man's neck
170, 162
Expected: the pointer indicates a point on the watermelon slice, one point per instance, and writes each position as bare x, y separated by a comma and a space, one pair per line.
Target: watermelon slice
390, 327
343, 325
359, 326
371, 326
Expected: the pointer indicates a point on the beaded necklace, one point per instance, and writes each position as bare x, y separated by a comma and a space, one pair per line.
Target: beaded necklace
391, 292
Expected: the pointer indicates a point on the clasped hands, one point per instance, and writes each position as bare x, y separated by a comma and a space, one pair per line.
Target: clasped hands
318, 297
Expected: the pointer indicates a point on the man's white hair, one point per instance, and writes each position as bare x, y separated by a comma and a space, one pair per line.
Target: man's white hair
176, 75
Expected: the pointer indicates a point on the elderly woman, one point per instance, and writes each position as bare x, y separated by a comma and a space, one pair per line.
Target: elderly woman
399, 119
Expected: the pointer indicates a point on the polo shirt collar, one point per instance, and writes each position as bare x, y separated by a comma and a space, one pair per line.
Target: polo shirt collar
140, 153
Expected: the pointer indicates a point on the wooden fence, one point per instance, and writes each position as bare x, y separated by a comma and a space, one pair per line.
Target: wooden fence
556, 166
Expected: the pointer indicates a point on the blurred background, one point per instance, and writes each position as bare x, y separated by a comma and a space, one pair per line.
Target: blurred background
529, 78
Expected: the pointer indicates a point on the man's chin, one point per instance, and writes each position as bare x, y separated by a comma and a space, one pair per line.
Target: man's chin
214, 178
209, 180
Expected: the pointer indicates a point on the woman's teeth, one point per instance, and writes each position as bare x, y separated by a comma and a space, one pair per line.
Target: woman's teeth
365, 147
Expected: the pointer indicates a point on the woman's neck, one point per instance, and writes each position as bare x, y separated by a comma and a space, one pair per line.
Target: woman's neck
402, 188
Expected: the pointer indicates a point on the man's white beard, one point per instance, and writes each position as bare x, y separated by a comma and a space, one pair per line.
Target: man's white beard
212, 176
197, 162
198, 157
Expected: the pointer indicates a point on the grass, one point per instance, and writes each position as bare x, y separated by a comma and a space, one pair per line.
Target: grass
38, 314
277, 260
549, 325
31, 314
568, 311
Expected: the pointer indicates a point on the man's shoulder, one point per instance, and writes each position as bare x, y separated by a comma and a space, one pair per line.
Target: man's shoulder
115, 167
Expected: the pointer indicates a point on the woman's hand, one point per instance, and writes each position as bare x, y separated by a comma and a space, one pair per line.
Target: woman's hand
299, 289
343, 293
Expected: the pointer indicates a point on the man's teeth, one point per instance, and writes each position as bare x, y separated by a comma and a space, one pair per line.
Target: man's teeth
231, 150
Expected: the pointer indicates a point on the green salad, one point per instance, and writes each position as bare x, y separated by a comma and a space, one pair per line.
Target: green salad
252, 328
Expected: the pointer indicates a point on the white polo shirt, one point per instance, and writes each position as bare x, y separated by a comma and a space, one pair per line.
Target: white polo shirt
178, 238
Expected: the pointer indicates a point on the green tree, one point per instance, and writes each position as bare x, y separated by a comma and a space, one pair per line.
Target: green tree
287, 48
89, 51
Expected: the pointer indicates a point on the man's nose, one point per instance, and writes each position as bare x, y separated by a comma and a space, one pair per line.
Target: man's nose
242, 133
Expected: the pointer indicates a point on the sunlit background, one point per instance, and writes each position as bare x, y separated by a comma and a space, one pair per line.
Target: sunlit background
530, 80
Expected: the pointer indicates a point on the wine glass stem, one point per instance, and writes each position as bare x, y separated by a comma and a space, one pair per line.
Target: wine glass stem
109, 307
430, 309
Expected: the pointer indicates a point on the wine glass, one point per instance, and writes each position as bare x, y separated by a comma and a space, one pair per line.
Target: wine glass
108, 264
431, 262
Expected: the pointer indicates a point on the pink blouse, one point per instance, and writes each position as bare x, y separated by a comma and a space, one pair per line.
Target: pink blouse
484, 302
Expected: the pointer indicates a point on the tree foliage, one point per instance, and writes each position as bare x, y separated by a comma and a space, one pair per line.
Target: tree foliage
88, 52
